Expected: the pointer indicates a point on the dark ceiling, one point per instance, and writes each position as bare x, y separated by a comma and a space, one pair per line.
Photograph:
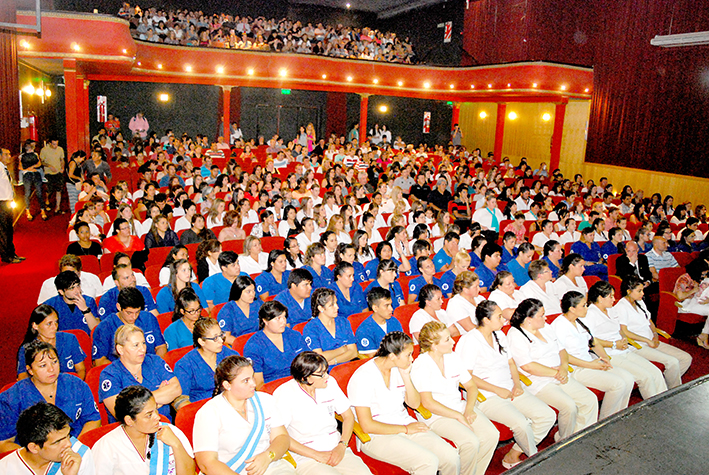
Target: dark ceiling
383, 8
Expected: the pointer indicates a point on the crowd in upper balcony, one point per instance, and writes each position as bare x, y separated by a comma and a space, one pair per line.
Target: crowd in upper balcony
182, 27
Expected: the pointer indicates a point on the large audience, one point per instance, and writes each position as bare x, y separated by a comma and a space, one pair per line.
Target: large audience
235, 275
182, 27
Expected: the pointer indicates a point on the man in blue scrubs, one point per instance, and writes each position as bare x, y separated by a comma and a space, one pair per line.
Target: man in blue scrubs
297, 297
491, 256
124, 277
216, 288
372, 331
444, 258
74, 310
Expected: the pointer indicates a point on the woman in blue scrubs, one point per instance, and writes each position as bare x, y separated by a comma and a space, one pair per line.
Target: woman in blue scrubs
272, 349
348, 253
350, 296
327, 333
187, 310
275, 278
195, 370
181, 277
315, 264
387, 272
384, 252
240, 314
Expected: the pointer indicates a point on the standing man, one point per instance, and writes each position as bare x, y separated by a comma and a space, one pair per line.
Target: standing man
7, 193
457, 136
53, 159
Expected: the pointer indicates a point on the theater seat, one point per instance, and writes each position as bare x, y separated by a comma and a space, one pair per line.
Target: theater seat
403, 313
85, 344
184, 420
240, 342
271, 386
173, 356
165, 320
668, 313
91, 437
93, 379
357, 319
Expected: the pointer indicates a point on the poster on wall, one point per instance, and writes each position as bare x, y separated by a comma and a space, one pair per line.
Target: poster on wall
426, 122
101, 109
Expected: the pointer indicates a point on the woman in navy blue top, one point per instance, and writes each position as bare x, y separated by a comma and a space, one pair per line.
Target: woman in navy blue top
195, 370
181, 277
240, 314
348, 253
275, 278
272, 349
350, 296
315, 264
387, 272
327, 333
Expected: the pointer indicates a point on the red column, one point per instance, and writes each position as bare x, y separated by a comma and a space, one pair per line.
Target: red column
456, 114
500, 130
363, 105
226, 112
71, 98
85, 112
557, 135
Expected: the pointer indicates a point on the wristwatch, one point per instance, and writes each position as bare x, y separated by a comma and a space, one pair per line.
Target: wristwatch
88, 310
271, 455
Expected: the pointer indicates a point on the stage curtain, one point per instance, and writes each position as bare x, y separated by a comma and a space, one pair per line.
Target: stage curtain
477, 132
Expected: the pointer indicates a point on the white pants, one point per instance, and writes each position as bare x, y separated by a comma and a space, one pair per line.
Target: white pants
676, 361
476, 447
423, 453
577, 406
349, 465
616, 383
528, 417
647, 375
279, 467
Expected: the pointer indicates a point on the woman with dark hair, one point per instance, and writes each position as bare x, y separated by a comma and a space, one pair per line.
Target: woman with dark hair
350, 296
430, 310
195, 370
273, 347
348, 253
240, 314
307, 402
315, 264
122, 240
327, 333
275, 278
84, 246
484, 352
289, 226
207, 257
43, 326
378, 390
240, 430
387, 274
592, 366
141, 442
187, 309
571, 276
384, 251
266, 227
328, 239
294, 256
363, 250
536, 353
160, 234
553, 252
603, 324
197, 233
181, 277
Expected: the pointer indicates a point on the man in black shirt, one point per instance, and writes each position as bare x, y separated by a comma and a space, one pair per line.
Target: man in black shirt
440, 197
421, 190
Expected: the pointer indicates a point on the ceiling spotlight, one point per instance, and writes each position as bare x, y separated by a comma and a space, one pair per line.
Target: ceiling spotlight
29, 89
164, 97
324, 76
348, 5
585, 90
489, 86
39, 91
483, 114
250, 72
75, 47
427, 84
125, 51
159, 66
24, 44
376, 81
48, 93
139, 63
509, 85
383, 108
546, 117
563, 88
220, 69
188, 68
512, 115
283, 72
349, 78
472, 86
534, 85
452, 86
400, 83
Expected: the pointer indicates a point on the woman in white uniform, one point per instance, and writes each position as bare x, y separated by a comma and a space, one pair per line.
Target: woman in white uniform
635, 323
484, 353
437, 374
504, 294
142, 444
378, 391
308, 403
430, 310
571, 276
466, 298
240, 430
536, 352
593, 370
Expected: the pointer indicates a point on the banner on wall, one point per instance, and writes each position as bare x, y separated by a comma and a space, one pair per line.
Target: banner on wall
447, 31
101, 109
426, 122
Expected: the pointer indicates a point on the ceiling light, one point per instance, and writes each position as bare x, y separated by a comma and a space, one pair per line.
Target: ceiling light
585, 90
164, 97
283, 72
512, 115
383, 108
400, 83
29, 89
349, 78
125, 51
534, 85
139, 63
220, 69
159, 66
563, 88
426, 84
489, 86
472, 86
24, 44
39, 91
546, 117
48, 93
250, 72
188, 68
452, 86
324, 76
348, 5
75, 47
509, 85
483, 114
375, 81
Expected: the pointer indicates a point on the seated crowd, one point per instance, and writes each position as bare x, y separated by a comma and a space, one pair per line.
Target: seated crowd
182, 27
222, 276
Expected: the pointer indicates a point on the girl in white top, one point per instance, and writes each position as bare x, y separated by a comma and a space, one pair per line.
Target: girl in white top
541, 287
215, 217
329, 241
503, 293
635, 323
430, 310
571, 235
240, 430
592, 370
602, 320
253, 261
378, 390
571, 276
437, 374
308, 403
142, 444
537, 354
466, 297
308, 236
337, 226
485, 353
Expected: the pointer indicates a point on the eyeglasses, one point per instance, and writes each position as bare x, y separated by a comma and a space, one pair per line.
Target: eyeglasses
319, 375
193, 312
215, 338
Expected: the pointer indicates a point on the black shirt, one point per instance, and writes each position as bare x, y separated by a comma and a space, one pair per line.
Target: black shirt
440, 200
421, 192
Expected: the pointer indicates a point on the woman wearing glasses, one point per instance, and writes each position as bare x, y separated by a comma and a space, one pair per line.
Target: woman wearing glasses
188, 308
195, 370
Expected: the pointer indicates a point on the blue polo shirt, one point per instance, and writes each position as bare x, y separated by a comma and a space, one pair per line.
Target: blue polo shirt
68, 349
318, 337
216, 288
105, 332
296, 313
369, 334
397, 295
71, 318
110, 298
166, 301
196, 376
475, 260
267, 283
414, 266
446, 283
552, 266
233, 320
370, 270
269, 360
416, 284
518, 272
324, 279
506, 256
441, 259
356, 304
359, 274
609, 249
486, 276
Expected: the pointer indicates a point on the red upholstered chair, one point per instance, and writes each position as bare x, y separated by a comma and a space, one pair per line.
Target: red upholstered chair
271, 386
668, 278
184, 420
90, 264
357, 319
403, 314
240, 342
365, 284
165, 320
157, 256
236, 245
84, 343
403, 281
299, 327
668, 313
611, 263
93, 379
591, 279
173, 356
683, 258
7, 386
91, 437
269, 244
615, 281
152, 275
216, 309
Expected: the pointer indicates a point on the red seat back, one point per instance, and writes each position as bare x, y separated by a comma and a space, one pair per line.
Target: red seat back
90, 264
240, 342
271, 386
342, 373
165, 320
269, 244
357, 319
85, 344
668, 278
91, 437
184, 420
403, 314
93, 379
173, 356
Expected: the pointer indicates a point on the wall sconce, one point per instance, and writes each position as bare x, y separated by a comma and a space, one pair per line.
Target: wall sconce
512, 115
483, 115
163, 97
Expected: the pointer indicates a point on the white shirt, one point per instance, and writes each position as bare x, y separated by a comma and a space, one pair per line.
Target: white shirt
140, 279
484, 217
422, 317
367, 389
375, 238
311, 421
504, 301
574, 339
90, 286
540, 239
304, 242
182, 223
485, 361
636, 319
13, 464
523, 205
604, 327
219, 428
6, 189
444, 387
568, 236
249, 265
531, 290
466, 242
525, 351
459, 308
94, 233
563, 284
115, 454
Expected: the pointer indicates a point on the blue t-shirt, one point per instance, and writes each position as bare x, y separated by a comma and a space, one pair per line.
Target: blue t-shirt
592, 254
369, 334
105, 332
397, 295
370, 270
196, 376
233, 320
267, 283
519, 273
359, 274
177, 335
216, 288
69, 350
506, 256
441, 259
552, 266
486, 276
72, 318
318, 337
110, 298
115, 377
356, 304
296, 313
324, 279
414, 266
269, 360
475, 261
166, 301
73, 397
446, 282
416, 284
608, 249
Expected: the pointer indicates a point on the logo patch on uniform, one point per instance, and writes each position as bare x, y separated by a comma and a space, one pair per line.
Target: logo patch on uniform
95, 350
150, 338
167, 367
106, 385
308, 341
222, 323
70, 364
101, 311
365, 341
78, 413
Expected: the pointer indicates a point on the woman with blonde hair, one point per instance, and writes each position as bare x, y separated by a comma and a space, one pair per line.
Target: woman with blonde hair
462, 306
215, 216
253, 260
461, 263
337, 226
232, 227
443, 222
